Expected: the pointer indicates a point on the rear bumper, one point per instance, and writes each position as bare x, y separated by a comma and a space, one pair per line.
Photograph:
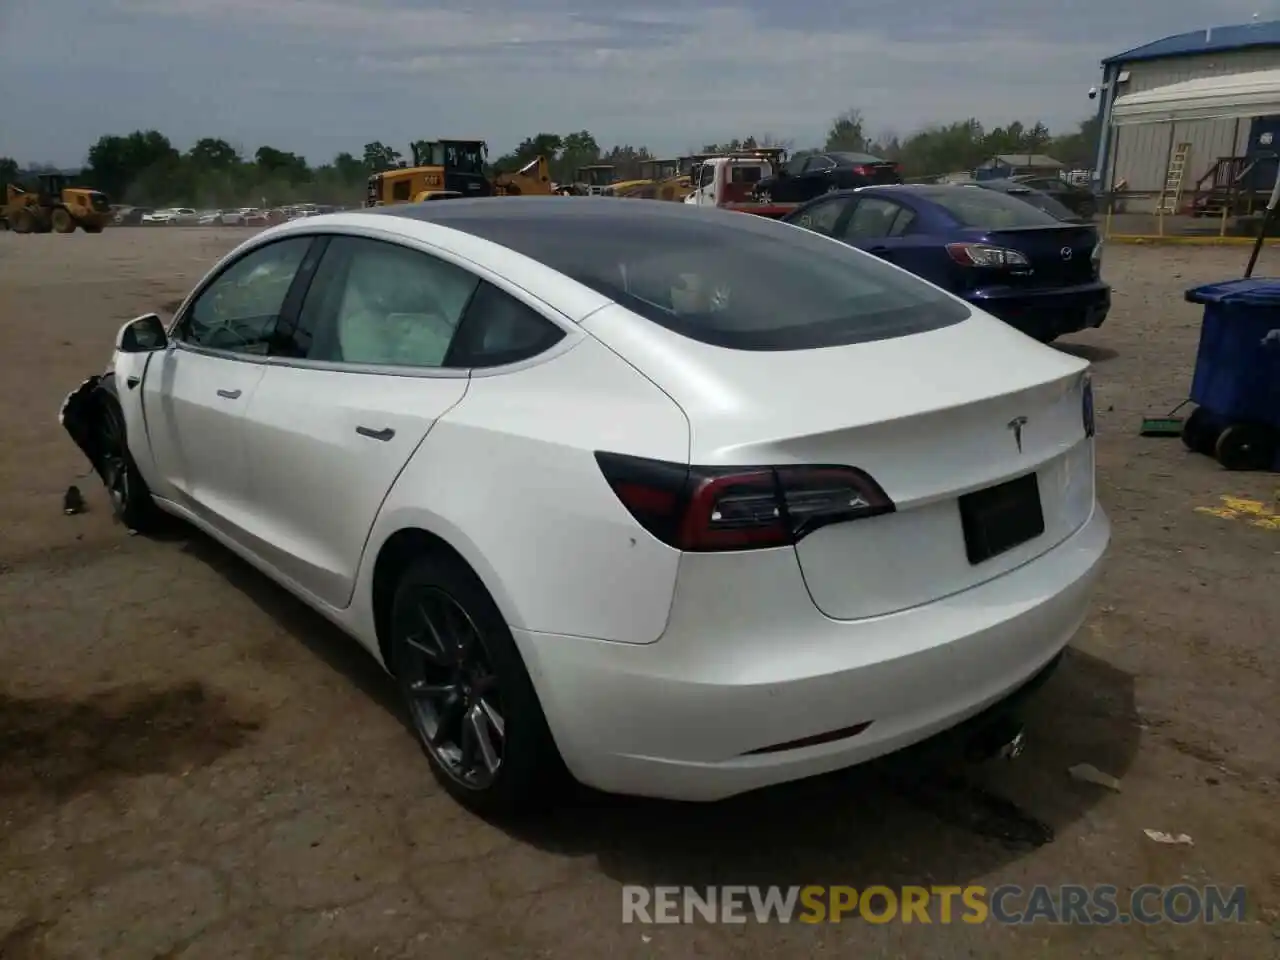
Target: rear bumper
1048, 313
706, 712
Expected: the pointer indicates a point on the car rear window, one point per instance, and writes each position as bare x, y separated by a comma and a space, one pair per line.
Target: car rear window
728, 279
988, 209
1039, 200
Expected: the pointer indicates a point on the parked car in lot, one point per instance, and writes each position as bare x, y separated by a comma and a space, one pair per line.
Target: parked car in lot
173, 216
808, 176
996, 251
130, 216
1076, 197
752, 585
1036, 198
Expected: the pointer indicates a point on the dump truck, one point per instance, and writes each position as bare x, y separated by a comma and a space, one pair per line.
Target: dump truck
55, 206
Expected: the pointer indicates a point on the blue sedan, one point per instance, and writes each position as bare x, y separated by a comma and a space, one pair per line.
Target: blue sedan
996, 251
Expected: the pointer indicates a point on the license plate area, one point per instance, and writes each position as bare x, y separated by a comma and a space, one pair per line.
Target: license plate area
999, 518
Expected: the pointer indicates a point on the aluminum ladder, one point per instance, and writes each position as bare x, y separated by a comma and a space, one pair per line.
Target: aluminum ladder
1173, 180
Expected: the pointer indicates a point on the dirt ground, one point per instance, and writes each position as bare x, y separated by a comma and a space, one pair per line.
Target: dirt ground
194, 765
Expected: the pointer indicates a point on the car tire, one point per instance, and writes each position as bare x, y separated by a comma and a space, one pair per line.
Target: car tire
129, 494
459, 672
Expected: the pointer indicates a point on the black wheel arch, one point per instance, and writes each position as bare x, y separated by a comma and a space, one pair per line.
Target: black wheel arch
397, 554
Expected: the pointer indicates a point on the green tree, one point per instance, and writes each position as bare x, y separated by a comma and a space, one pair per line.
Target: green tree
378, 157
9, 171
576, 150
280, 164
116, 162
348, 169
846, 133
210, 153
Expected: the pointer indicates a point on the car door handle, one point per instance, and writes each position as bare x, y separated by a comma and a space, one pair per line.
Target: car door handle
229, 394
386, 433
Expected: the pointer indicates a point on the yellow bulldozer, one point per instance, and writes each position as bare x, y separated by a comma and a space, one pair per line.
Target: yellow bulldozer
659, 180
54, 206
446, 169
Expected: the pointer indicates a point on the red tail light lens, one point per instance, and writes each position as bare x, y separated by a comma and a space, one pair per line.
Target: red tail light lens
704, 509
862, 171
986, 255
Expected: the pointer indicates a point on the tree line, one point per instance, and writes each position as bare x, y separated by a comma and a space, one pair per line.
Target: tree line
145, 168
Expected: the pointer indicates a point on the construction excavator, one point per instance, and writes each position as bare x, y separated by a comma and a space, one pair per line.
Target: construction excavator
54, 206
448, 169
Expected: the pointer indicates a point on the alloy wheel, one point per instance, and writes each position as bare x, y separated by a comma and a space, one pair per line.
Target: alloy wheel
454, 698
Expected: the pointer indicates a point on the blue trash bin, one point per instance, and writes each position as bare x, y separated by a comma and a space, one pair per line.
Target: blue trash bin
1237, 376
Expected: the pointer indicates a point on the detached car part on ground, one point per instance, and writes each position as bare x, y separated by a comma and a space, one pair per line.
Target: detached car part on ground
994, 250
400, 415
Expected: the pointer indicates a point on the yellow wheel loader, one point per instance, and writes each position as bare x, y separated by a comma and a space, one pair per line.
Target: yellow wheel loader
455, 168
54, 206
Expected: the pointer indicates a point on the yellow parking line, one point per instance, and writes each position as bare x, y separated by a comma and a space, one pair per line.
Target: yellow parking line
1253, 512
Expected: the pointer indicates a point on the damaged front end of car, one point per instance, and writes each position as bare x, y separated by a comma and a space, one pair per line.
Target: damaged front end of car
93, 414
81, 416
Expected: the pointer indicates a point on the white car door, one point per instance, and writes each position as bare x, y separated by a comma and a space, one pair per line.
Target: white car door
330, 428
196, 392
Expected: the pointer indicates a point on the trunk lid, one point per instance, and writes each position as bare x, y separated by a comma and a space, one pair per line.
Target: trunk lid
1060, 255
929, 416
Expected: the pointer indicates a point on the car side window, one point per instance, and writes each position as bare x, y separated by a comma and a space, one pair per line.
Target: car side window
822, 217
498, 329
818, 164
872, 218
796, 166
240, 309
378, 303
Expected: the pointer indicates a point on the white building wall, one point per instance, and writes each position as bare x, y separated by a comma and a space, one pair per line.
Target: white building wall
1139, 155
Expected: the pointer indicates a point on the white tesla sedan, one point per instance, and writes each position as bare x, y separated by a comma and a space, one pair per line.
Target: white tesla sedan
687, 501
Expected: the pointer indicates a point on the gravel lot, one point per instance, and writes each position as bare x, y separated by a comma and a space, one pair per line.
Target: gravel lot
194, 765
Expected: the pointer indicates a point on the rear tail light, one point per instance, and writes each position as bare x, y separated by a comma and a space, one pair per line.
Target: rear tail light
705, 509
986, 255
1086, 407
862, 171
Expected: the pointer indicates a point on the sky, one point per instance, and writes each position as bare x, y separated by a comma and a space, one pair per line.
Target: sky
318, 77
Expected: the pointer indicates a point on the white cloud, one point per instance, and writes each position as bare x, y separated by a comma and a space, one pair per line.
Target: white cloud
320, 76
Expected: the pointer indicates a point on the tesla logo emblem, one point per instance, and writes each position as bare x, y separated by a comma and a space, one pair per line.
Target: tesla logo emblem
1016, 425
1066, 253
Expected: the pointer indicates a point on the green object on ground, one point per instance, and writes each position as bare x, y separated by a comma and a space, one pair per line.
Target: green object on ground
1161, 427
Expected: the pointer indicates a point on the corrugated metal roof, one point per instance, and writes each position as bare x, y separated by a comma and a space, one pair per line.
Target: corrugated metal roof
1239, 36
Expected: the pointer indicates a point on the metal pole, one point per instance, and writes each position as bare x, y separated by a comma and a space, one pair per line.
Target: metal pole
1107, 96
1266, 223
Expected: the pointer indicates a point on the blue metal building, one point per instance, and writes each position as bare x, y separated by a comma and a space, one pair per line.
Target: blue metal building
1137, 158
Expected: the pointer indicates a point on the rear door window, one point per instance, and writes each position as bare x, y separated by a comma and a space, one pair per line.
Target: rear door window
726, 279
823, 216
875, 217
